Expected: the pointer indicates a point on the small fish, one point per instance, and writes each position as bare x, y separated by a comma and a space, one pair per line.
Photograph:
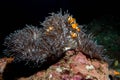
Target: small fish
71, 20
73, 23
116, 72
73, 34
49, 29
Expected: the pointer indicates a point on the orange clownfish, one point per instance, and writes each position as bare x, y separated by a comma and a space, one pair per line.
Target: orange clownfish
75, 26
73, 35
73, 23
116, 72
49, 29
71, 20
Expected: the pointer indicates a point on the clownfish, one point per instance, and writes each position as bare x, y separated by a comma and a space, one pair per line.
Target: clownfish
73, 23
73, 34
116, 72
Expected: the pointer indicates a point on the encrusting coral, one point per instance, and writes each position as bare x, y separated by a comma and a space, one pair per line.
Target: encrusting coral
59, 34
74, 66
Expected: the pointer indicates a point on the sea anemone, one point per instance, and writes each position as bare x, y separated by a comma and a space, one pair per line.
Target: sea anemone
60, 33
24, 44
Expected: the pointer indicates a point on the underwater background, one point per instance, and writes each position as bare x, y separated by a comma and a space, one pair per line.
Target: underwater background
102, 18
